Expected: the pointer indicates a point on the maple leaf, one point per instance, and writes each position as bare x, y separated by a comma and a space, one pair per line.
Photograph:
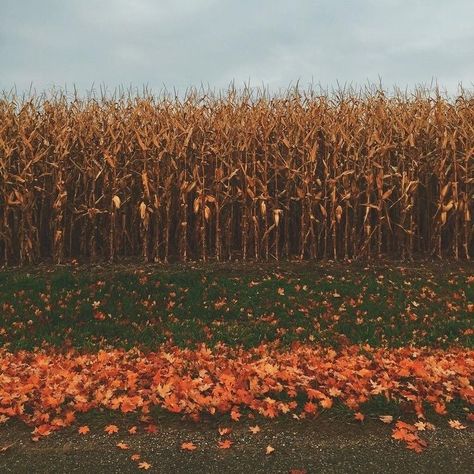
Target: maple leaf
254, 429
83, 430
399, 433
110, 429
224, 431
281, 291
457, 425
359, 416
42, 430
135, 457
225, 444
144, 465
188, 446
405, 426
122, 445
235, 415
132, 430
386, 418
420, 426
269, 449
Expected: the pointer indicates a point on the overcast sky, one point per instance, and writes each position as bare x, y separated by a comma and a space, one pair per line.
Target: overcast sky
181, 43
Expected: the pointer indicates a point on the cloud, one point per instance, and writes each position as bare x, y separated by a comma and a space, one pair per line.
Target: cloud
181, 43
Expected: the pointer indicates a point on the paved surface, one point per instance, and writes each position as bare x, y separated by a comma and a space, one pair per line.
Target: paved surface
316, 446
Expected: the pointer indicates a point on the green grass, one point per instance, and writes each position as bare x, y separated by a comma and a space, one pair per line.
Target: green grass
127, 306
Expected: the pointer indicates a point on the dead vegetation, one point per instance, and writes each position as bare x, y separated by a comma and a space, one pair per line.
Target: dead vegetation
243, 175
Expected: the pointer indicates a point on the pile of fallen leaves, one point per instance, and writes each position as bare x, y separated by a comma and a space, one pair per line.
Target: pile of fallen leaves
47, 389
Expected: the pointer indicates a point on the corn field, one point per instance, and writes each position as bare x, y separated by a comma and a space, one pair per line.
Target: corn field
241, 175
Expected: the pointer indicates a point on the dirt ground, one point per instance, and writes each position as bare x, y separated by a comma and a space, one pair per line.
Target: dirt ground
311, 446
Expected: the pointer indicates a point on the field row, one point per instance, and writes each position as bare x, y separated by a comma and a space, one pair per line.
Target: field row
236, 177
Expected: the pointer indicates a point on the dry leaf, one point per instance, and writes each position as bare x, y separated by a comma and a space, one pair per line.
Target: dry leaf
111, 429
83, 430
225, 444
269, 449
144, 465
188, 446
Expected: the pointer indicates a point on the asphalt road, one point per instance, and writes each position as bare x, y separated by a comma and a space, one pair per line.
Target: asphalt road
311, 446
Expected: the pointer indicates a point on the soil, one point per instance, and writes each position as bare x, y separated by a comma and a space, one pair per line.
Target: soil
311, 446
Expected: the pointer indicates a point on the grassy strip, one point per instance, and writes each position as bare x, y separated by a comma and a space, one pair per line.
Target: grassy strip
130, 306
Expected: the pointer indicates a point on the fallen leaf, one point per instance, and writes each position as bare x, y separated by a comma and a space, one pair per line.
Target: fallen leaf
144, 465
110, 429
132, 430
359, 416
457, 425
83, 430
254, 429
226, 444
122, 445
135, 457
189, 446
386, 418
235, 415
269, 450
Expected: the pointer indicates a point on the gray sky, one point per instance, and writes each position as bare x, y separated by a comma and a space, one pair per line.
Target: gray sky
180, 43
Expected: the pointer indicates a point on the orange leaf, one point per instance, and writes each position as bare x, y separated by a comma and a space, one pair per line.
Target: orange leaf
386, 418
122, 445
226, 444
110, 429
254, 429
132, 430
235, 415
83, 430
399, 434
188, 446
135, 457
326, 403
359, 416
269, 450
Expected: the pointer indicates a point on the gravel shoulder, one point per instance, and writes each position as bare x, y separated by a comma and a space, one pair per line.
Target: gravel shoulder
314, 446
